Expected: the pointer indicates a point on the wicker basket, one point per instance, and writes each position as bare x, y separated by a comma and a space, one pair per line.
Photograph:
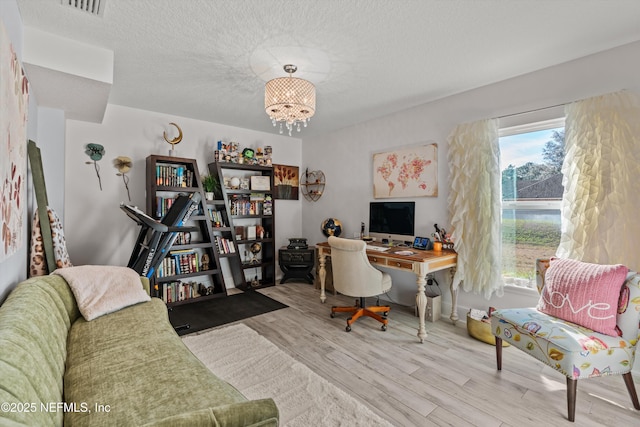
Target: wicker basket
482, 331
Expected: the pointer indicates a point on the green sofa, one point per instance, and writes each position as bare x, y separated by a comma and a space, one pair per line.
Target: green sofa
124, 368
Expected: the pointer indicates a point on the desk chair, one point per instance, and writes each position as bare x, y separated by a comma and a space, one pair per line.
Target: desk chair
354, 276
575, 351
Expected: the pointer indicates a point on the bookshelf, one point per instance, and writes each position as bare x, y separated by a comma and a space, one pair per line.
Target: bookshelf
248, 202
191, 270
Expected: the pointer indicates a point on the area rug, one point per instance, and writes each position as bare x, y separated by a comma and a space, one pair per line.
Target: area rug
210, 313
259, 369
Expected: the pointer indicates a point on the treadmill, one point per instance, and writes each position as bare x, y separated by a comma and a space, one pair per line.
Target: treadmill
156, 237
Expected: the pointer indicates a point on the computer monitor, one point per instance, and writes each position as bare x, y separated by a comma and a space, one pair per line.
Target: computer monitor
392, 220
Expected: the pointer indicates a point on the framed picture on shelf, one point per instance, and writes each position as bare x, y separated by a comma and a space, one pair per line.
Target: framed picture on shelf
251, 232
286, 180
239, 232
260, 183
244, 183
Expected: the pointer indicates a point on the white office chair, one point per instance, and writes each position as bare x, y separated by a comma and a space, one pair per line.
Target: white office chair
354, 276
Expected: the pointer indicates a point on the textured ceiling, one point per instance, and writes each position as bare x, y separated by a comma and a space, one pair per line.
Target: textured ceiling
209, 59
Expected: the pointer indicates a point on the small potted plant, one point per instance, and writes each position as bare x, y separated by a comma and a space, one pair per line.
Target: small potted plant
210, 186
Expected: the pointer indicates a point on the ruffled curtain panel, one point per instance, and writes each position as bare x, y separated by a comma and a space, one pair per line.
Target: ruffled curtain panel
601, 171
475, 206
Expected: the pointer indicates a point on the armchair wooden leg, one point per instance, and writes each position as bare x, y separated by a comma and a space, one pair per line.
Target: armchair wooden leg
572, 386
631, 388
499, 353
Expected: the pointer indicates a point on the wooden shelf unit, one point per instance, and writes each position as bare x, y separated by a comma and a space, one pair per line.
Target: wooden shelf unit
167, 177
243, 270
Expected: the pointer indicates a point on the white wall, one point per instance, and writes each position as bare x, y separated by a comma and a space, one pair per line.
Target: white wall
96, 230
50, 140
345, 156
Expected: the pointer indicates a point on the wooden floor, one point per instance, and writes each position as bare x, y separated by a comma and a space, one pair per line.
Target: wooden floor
450, 379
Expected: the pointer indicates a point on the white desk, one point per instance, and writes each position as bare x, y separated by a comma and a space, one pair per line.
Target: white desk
421, 263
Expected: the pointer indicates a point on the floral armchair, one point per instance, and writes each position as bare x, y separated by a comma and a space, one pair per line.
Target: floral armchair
576, 351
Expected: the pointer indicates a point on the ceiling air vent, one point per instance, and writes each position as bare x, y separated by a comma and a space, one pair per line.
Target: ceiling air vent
94, 7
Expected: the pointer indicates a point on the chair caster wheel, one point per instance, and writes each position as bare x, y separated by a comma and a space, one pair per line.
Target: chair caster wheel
348, 328
332, 315
384, 327
385, 314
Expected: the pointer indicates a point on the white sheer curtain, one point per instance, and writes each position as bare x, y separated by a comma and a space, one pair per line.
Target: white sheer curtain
475, 206
601, 178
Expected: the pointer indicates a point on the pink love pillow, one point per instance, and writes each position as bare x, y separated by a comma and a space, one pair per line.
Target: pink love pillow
583, 293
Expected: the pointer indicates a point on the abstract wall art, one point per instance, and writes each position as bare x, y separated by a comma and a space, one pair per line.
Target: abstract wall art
406, 172
14, 98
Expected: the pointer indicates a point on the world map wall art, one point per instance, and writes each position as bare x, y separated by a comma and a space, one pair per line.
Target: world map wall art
406, 172
14, 97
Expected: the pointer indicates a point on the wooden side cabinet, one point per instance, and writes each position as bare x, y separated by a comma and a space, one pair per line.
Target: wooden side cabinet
297, 263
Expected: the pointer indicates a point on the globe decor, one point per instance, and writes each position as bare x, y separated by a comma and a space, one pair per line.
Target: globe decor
331, 227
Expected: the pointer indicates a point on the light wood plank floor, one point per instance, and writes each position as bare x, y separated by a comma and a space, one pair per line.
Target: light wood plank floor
450, 379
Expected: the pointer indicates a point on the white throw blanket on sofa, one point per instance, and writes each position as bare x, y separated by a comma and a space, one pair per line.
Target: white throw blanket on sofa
103, 289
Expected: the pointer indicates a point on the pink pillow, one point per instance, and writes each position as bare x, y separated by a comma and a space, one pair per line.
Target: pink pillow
583, 293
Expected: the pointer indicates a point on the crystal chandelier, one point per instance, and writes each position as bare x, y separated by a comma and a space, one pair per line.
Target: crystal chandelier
290, 100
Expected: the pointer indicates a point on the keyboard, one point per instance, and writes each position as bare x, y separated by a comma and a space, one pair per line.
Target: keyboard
377, 248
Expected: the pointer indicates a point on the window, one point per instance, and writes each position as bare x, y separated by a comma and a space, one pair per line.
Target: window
530, 160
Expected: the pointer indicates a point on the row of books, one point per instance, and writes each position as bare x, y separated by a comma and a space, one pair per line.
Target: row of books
174, 176
177, 291
183, 238
246, 206
216, 218
225, 246
163, 204
179, 262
